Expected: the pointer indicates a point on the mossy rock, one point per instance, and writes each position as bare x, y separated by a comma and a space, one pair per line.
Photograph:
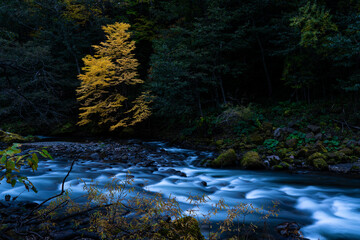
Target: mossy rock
303, 153
316, 155
320, 147
285, 165
183, 228
7, 137
251, 160
347, 151
219, 142
283, 152
320, 163
338, 157
225, 159
256, 138
281, 166
277, 168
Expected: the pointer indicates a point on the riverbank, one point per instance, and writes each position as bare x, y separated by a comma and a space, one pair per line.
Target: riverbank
282, 137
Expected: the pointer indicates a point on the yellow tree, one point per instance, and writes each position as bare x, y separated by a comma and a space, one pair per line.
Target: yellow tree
109, 75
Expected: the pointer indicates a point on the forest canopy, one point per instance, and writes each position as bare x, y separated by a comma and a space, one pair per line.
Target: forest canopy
193, 57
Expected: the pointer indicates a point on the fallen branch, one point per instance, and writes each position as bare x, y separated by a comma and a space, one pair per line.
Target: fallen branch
348, 125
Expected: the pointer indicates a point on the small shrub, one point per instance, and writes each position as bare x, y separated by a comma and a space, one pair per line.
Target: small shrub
270, 144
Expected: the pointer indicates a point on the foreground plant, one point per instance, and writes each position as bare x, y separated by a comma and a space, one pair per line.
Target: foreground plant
12, 160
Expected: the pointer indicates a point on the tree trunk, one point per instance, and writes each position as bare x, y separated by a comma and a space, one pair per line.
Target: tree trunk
269, 84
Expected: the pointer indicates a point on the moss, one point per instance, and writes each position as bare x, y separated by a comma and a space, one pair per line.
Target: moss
256, 138
338, 157
346, 151
320, 147
251, 160
320, 163
282, 153
303, 153
277, 167
226, 159
7, 137
285, 165
316, 155
219, 142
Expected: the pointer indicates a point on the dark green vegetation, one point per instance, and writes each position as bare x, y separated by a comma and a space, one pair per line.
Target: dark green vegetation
202, 62
282, 137
195, 56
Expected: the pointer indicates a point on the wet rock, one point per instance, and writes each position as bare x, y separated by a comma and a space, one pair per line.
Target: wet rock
7, 197
203, 183
172, 171
95, 156
279, 132
289, 230
314, 128
344, 167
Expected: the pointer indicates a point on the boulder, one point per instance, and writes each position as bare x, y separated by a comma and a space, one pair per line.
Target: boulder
320, 147
225, 159
320, 163
251, 160
317, 160
346, 151
289, 230
7, 137
314, 128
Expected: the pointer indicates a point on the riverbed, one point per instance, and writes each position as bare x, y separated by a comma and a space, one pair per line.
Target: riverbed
326, 207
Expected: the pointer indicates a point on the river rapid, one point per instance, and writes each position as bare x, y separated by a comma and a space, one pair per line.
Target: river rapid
327, 207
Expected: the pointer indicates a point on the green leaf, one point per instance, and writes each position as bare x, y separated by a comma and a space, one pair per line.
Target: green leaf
47, 154
34, 189
10, 165
13, 182
3, 159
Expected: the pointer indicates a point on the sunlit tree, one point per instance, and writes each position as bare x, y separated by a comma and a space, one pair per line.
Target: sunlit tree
108, 82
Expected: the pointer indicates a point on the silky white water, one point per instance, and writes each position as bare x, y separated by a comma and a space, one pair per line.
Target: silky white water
327, 207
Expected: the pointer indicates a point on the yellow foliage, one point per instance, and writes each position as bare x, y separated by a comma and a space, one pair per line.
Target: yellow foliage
106, 77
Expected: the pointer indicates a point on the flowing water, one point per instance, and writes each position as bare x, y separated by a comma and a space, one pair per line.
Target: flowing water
327, 207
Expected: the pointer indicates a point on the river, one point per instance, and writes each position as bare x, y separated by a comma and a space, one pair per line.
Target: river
327, 207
